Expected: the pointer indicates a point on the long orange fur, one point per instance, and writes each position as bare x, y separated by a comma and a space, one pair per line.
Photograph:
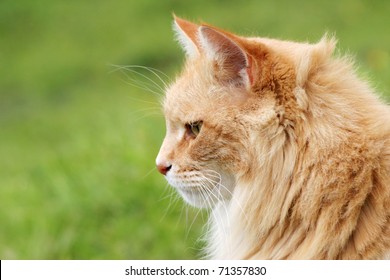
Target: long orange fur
293, 154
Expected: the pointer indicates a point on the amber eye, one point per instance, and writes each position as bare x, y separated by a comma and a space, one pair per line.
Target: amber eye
193, 128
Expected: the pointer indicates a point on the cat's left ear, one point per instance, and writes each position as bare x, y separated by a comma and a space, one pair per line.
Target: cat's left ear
232, 61
186, 34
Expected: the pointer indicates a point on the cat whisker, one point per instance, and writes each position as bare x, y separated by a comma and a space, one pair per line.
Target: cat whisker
199, 210
155, 103
213, 173
220, 185
140, 85
154, 71
168, 190
147, 115
183, 206
152, 84
169, 195
148, 173
150, 109
174, 198
225, 227
137, 115
132, 69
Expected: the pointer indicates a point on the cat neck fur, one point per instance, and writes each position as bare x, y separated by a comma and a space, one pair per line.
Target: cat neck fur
299, 201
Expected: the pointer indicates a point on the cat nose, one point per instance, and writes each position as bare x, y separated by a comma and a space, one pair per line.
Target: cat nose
163, 168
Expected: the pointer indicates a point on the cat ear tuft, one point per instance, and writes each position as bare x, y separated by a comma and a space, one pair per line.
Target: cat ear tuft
232, 59
187, 35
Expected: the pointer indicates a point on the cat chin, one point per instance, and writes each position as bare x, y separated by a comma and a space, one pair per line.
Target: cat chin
200, 191
199, 197
196, 197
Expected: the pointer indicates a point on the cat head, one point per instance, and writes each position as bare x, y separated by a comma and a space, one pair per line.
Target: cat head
227, 111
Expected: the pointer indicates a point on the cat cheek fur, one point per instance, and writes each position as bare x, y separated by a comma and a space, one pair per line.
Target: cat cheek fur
197, 172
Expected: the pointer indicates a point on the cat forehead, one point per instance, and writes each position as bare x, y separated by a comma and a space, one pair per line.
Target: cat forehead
196, 94
191, 93
187, 100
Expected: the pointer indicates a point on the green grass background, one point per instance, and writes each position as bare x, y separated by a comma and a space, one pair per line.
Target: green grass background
78, 142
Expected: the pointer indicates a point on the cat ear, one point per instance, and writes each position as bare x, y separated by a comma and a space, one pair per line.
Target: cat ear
232, 60
187, 35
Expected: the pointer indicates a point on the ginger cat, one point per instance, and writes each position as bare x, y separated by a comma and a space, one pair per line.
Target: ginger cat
286, 145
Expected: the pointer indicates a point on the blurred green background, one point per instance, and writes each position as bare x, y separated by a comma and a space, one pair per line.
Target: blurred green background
78, 139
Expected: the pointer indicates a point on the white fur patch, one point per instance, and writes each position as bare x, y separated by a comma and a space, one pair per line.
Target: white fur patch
186, 43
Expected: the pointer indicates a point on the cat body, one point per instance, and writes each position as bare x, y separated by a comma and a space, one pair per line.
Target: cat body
286, 145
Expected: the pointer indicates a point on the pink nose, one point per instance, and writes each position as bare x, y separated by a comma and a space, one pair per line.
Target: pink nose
163, 168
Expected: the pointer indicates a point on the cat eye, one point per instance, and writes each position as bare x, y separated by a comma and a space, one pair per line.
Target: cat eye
193, 128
